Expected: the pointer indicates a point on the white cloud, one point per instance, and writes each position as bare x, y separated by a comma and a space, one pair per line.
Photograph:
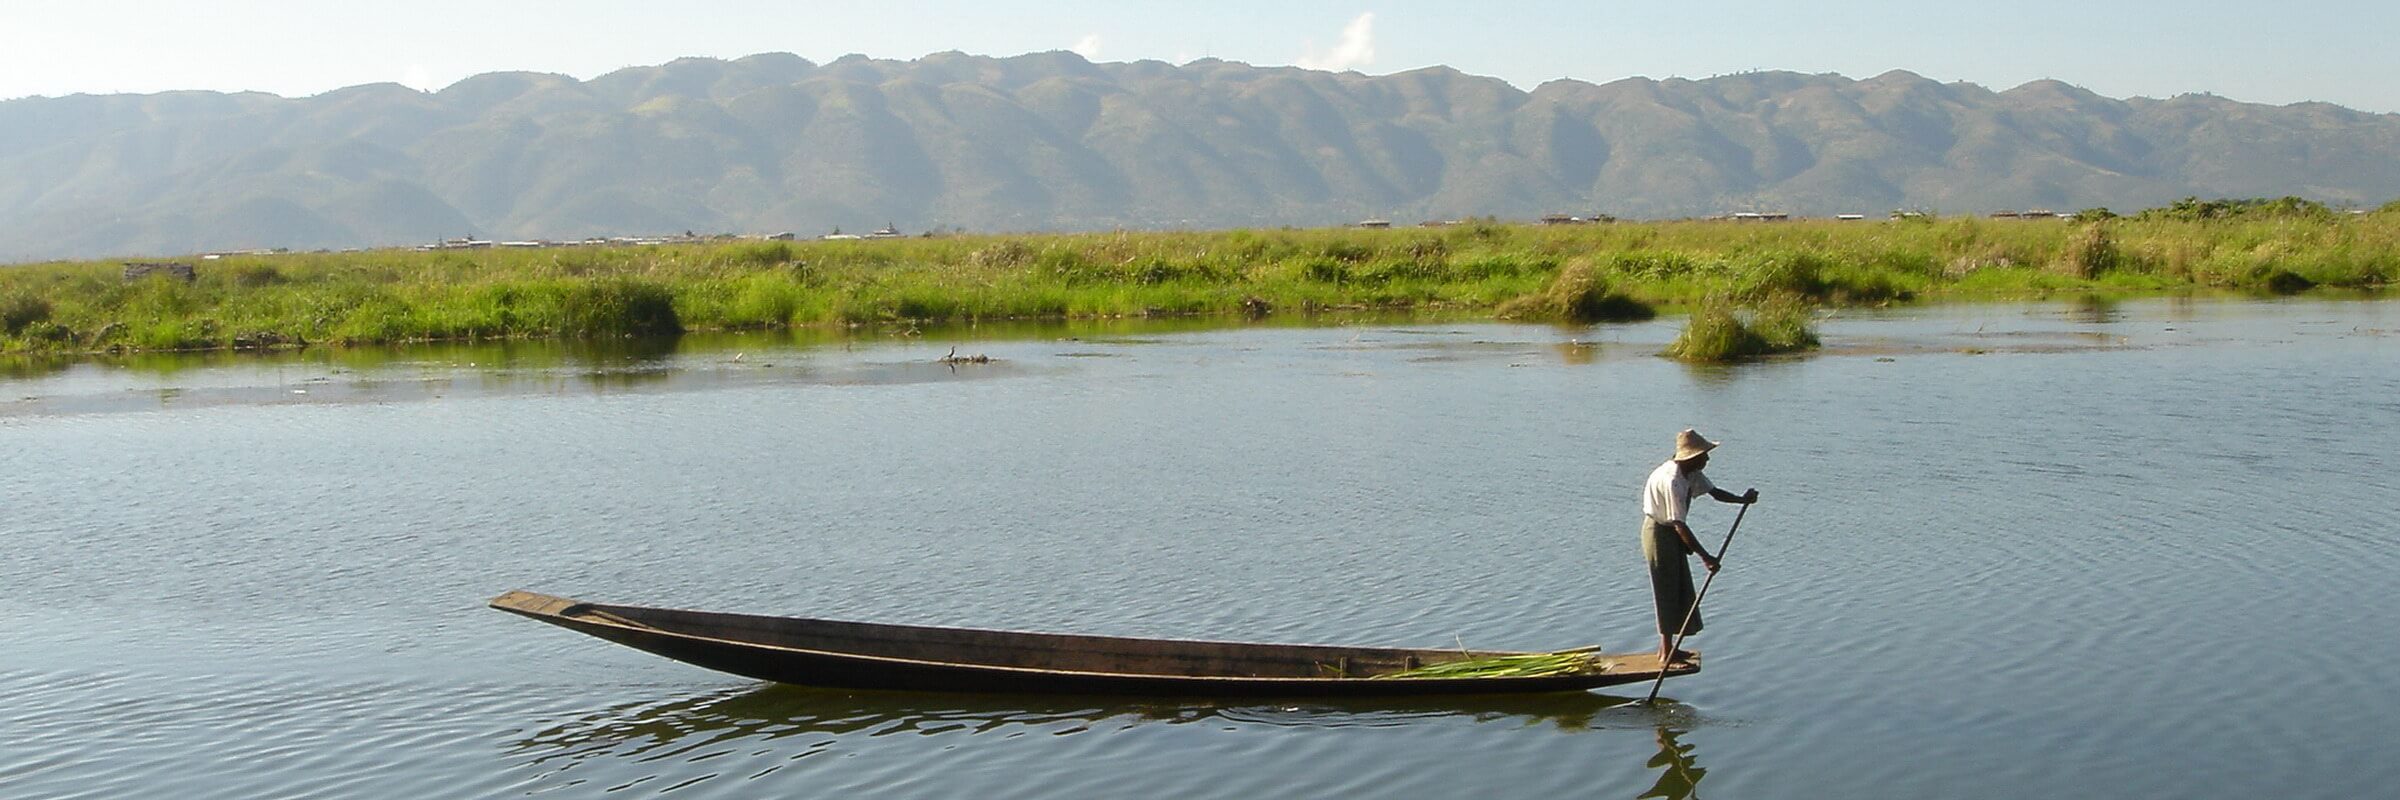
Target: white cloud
1088, 46
1355, 49
417, 77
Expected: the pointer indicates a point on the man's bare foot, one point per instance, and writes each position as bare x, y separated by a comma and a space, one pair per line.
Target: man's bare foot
1680, 657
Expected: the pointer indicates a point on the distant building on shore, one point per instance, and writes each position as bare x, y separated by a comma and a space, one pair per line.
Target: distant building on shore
137, 270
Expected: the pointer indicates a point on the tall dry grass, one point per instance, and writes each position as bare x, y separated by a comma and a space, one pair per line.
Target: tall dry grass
1576, 274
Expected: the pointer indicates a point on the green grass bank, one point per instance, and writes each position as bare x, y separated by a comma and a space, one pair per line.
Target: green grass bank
1570, 273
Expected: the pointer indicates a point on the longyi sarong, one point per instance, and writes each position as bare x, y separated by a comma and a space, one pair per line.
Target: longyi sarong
1670, 577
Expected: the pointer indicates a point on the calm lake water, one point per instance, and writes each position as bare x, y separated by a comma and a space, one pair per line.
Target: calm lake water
2066, 550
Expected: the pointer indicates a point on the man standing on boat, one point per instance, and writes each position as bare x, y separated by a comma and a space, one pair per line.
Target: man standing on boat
1667, 542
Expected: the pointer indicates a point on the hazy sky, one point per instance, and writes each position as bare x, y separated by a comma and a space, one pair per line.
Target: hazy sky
2337, 51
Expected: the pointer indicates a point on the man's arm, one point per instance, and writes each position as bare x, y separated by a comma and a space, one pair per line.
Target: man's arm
1692, 542
1723, 496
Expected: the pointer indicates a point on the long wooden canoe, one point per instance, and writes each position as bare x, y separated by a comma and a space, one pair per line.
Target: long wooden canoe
859, 655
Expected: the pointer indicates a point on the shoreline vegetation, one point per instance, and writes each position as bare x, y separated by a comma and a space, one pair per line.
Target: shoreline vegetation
1749, 286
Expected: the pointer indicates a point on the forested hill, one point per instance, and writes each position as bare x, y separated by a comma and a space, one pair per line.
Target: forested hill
1051, 141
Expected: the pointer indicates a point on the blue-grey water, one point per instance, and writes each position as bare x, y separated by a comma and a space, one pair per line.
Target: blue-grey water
2067, 550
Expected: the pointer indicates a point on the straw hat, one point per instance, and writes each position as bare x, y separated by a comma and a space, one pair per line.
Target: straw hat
1689, 445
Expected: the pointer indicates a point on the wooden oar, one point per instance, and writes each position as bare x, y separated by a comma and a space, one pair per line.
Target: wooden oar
1695, 609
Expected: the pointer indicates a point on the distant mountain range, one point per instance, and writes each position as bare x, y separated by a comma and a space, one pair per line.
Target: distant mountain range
1051, 141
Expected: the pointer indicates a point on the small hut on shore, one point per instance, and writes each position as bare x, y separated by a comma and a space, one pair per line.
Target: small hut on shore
137, 270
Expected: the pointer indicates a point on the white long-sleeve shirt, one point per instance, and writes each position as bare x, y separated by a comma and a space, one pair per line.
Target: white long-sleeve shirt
1668, 494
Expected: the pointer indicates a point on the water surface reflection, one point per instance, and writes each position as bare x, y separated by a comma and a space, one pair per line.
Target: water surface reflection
1679, 770
776, 711
776, 725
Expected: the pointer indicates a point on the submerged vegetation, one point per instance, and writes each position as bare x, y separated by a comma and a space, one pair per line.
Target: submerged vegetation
1743, 271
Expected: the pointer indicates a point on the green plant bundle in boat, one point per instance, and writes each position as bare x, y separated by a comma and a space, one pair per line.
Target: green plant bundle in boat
1519, 665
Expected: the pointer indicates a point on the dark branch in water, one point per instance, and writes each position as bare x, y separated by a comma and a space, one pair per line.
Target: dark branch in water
954, 359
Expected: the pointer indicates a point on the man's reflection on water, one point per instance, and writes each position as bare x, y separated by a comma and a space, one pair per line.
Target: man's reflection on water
1679, 773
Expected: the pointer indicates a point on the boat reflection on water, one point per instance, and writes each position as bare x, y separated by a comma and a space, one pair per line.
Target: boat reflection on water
775, 711
783, 723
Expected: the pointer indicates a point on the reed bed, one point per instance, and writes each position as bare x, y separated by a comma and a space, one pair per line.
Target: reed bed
1570, 274
1720, 331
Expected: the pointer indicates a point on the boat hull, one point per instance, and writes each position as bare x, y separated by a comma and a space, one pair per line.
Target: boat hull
897, 657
